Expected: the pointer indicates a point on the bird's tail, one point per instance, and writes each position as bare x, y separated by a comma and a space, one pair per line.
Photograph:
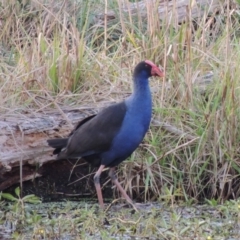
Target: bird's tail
58, 144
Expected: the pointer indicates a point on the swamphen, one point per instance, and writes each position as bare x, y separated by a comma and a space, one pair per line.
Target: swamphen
111, 136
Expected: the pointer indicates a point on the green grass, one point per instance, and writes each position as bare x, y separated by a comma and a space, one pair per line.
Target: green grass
56, 53
79, 220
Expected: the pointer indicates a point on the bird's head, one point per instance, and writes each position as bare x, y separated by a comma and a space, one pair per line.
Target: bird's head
147, 69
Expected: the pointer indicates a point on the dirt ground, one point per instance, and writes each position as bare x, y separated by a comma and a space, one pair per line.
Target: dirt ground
61, 180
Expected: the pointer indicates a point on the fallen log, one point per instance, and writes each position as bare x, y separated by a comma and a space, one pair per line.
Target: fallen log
23, 139
168, 10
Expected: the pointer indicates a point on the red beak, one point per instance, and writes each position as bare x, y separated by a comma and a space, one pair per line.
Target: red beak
157, 72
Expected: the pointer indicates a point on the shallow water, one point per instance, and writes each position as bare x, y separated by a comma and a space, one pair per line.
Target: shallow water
81, 220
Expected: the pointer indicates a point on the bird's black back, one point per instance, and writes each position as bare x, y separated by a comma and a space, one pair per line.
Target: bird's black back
95, 134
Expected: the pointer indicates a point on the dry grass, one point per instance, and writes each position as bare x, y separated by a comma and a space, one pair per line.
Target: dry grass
60, 52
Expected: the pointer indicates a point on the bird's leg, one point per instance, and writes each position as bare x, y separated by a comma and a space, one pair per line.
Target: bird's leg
114, 179
97, 185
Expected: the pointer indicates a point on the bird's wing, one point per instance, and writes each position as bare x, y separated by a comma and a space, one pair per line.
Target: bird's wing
80, 124
60, 143
96, 134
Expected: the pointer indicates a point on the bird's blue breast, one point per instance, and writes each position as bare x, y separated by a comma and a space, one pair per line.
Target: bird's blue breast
134, 127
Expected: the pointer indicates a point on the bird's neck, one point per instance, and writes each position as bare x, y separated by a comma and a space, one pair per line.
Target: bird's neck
139, 104
141, 88
141, 97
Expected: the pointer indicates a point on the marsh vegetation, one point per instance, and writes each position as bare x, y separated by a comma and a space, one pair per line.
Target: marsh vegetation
66, 53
